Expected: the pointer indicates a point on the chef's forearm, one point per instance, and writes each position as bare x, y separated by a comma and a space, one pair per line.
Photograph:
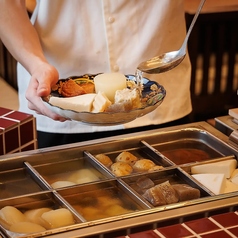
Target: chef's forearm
18, 34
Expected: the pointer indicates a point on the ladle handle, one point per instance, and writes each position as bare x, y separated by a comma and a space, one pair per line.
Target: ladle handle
192, 24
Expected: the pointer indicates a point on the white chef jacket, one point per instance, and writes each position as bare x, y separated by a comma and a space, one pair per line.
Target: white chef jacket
92, 36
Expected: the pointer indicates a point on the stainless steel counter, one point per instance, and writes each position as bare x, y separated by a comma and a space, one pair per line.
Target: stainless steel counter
27, 180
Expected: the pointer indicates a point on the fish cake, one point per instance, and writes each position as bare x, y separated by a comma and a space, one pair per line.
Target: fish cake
143, 165
70, 89
126, 157
121, 169
104, 159
156, 168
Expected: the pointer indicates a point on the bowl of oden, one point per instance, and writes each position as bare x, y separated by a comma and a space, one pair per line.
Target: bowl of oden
105, 98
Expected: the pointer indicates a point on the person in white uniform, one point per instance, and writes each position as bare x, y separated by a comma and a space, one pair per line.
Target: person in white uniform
77, 37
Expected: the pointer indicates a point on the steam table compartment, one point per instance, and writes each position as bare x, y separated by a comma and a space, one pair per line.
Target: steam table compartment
46, 166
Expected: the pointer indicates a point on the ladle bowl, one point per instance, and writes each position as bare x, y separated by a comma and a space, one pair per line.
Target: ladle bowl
169, 60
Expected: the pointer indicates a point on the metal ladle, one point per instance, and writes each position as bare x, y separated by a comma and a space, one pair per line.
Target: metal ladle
169, 60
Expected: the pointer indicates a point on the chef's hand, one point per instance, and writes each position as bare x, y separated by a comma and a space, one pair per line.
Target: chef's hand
42, 79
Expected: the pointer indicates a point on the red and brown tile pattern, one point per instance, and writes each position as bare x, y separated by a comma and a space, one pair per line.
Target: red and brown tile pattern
217, 226
17, 131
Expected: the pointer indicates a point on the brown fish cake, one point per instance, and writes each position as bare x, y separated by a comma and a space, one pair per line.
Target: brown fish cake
70, 89
121, 169
104, 159
143, 165
126, 157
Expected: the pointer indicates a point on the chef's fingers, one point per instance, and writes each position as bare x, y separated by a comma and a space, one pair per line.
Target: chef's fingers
36, 103
47, 76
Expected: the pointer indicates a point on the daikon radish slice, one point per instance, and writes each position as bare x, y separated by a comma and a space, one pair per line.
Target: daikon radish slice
61, 184
34, 215
109, 83
26, 227
11, 215
83, 176
57, 218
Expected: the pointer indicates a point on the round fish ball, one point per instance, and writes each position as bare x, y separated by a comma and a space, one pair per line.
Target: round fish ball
126, 157
104, 159
143, 165
121, 169
26, 227
57, 218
